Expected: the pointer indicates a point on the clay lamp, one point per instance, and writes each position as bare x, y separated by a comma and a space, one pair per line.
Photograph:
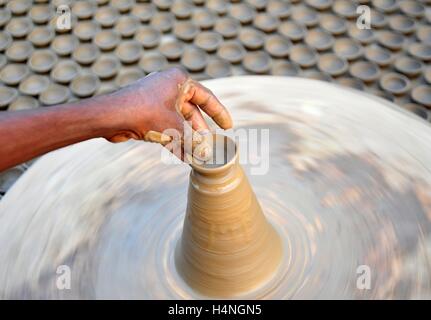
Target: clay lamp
107, 40
204, 18
19, 27
333, 24
65, 71
185, 30
395, 83
417, 109
172, 49
333, 65
85, 85
402, 24
106, 67
86, 53
127, 26
305, 16
257, 62
285, 68
266, 22
144, 11
106, 16
319, 39
84, 9
280, 9
364, 36
278, 46
8, 178
163, 5
13, 73
7, 96
163, 21
227, 27
421, 51
219, 6
212, 255
208, 41
424, 33
258, 4
23, 103
293, 30
378, 19
319, 4
5, 16
86, 30
348, 49
41, 14
231, 51
353, 83
129, 51
64, 45
182, 9
152, 61
122, 6
386, 6
243, 12
422, 95
391, 40
303, 55
34, 85
218, 68
148, 36
366, 71
19, 7
41, 36
106, 87
345, 8
194, 59
316, 75
42, 61
251, 38
412, 8
54, 94
19, 51
129, 76
379, 55
408, 66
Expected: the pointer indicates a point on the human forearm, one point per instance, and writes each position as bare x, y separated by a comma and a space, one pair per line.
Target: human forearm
142, 110
28, 134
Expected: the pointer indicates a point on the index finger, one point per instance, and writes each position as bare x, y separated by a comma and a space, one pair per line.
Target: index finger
207, 101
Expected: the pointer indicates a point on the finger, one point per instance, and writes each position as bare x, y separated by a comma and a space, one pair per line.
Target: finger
196, 146
158, 137
192, 113
207, 101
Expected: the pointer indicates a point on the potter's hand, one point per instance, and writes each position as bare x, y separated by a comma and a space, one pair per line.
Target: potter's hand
158, 107
143, 110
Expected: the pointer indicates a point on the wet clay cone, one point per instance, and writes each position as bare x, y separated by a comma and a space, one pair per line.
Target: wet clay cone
227, 247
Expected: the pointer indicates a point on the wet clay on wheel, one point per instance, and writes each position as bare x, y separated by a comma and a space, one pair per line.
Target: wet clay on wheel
227, 246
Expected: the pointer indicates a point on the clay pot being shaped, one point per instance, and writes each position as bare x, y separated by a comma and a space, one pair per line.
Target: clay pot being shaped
227, 246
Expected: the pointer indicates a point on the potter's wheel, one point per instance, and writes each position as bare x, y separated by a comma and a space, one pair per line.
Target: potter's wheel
348, 185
